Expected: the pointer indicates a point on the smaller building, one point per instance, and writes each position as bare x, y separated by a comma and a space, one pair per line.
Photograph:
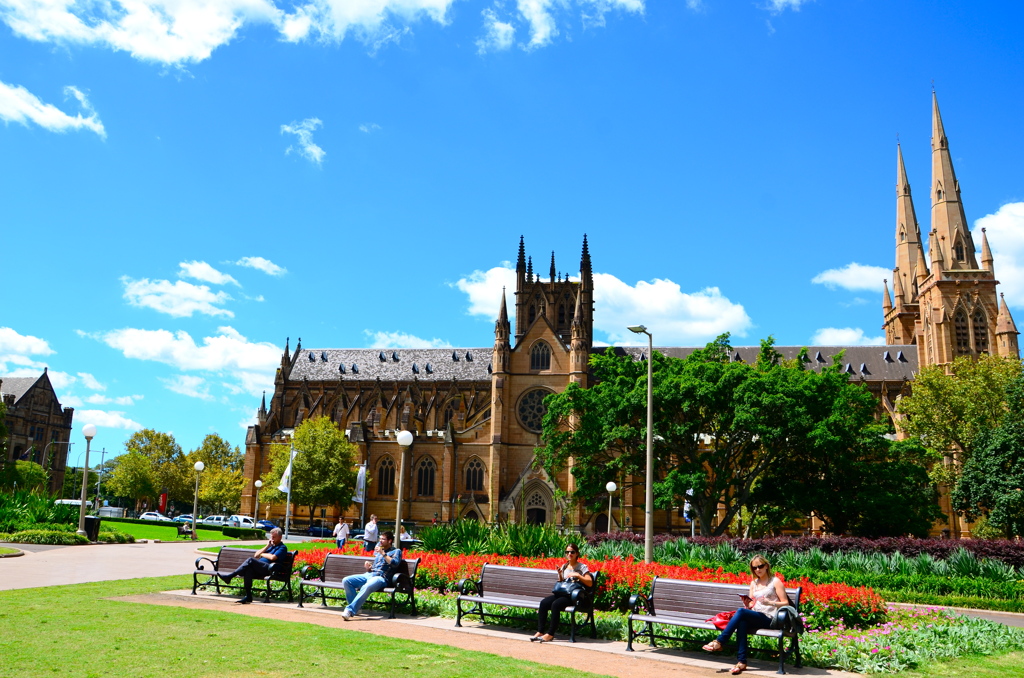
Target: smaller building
38, 428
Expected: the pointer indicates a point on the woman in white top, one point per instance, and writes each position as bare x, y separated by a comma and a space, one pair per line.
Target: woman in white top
571, 570
767, 595
341, 532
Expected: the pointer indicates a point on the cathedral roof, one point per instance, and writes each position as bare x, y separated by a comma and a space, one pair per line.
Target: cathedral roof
445, 364
874, 363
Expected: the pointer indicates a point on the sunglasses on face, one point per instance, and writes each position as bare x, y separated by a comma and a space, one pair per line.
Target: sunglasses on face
759, 567
569, 551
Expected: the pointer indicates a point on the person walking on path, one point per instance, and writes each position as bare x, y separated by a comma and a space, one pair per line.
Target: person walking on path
370, 533
767, 595
259, 565
358, 587
341, 532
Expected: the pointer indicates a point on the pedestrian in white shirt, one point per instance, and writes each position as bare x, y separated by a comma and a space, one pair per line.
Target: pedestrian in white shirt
341, 532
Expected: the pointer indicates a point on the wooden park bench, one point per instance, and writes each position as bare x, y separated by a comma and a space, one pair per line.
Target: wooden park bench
522, 587
336, 567
691, 603
228, 560
184, 530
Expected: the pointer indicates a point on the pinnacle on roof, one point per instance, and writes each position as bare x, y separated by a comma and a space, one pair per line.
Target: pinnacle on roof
585, 257
503, 311
1004, 321
898, 293
552, 266
986, 253
521, 262
529, 269
886, 301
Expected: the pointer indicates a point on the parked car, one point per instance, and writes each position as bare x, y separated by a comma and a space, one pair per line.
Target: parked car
184, 518
214, 521
155, 515
321, 531
239, 521
265, 525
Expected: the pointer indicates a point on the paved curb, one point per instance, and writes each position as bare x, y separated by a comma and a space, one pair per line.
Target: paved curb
17, 552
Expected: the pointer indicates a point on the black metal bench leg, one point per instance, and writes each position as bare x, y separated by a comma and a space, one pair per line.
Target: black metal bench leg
572, 627
796, 646
458, 614
629, 637
650, 634
782, 656
392, 615
323, 596
302, 594
195, 582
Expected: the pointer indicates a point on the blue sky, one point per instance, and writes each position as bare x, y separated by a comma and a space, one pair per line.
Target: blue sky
184, 184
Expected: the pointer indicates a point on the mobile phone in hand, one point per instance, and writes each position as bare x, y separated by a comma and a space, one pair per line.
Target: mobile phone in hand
746, 599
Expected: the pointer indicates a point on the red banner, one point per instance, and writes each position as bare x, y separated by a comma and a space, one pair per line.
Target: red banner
163, 502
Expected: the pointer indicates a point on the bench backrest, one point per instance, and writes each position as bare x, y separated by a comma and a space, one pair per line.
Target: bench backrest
230, 557
517, 581
337, 567
702, 597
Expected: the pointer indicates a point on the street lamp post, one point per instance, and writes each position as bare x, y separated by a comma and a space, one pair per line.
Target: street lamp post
404, 439
649, 495
198, 466
89, 431
611, 487
256, 511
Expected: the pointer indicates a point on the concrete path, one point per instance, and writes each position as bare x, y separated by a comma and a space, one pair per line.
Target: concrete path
54, 565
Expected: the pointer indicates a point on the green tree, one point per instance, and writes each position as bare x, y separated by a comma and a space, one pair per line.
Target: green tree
25, 475
221, 482
323, 472
3, 430
171, 471
132, 477
992, 480
948, 411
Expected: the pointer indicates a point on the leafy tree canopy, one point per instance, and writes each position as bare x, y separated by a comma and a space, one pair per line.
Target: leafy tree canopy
171, 471
133, 476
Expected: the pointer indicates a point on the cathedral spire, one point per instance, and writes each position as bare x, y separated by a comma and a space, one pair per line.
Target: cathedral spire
521, 262
529, 269
898, 292
947, 211
1006, 332
908, 233
935, 250
503, 311
886, 301
552, 266
986, 253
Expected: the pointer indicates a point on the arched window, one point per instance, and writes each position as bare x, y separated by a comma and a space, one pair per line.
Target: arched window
561, 314
958, 251
536, 509
540, 356
938, 194
447, 415
903, 234
475, 475
425, 477
532, 316
386, 477
980, 328
962, 333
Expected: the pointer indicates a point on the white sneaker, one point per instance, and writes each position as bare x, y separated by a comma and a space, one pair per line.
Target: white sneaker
346, 614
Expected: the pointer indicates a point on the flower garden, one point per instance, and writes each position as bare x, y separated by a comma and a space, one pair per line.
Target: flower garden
848, 627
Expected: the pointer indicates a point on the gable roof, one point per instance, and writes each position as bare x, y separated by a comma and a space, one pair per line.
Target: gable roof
443, 366
17, 386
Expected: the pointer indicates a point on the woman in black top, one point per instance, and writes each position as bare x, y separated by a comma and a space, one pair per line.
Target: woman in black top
572, 570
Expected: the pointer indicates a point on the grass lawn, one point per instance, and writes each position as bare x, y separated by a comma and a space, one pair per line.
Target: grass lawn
75, 631
1002, 666
292, 546
7, 549
164, 532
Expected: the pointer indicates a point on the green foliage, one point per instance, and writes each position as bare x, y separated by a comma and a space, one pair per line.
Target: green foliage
170, 470
322, 473
221, 482
133, 477
3, 430
24, 508
991, 483
24, 475
243, 533
56, 537
510, 539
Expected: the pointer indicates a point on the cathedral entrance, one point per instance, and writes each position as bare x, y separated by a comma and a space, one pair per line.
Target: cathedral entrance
601, 523
536, 516
537, 507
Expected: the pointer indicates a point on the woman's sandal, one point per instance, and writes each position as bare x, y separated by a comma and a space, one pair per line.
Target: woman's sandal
738, 669
713, 646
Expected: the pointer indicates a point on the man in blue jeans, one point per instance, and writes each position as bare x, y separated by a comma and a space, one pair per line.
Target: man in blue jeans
358, 587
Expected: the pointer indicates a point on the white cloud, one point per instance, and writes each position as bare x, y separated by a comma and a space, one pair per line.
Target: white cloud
1005, 230
854, 276
778, 6
304, 133
99, 399
200, 270
251, 364
261, 264
91, 382
484, 289
178, 299
498, 35
187, 385
537, 13
401, 340
19, 105
24, 344
677, 317
602, 7
369, 20
844, 336
369, 128
106, 419
674, 317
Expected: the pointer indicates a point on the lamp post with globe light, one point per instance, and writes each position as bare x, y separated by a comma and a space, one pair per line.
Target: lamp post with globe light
89, 431
611, 487
649, 495
256, 511
404, 439
199, 466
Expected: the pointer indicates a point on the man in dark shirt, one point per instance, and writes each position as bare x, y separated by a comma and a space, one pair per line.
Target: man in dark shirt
358, 587
259, 565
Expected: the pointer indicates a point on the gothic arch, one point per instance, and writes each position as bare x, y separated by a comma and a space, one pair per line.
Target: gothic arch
979, 330
386, 473
540, 355
426, 475
961, 332
474, 475
536, 503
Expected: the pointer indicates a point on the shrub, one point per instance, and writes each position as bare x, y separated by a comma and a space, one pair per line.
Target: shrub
511, 539
28, 508
48, 537
244, 532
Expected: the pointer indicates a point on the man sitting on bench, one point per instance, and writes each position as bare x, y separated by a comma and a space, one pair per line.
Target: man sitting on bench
259, 565
385, 563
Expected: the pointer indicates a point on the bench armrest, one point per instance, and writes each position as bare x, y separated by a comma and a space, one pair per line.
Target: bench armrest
468, 587
310, 572
401, 581
638, 602
213, 565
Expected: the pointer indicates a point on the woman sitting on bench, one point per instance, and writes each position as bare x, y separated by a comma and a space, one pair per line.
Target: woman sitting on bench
571, 571
767, 595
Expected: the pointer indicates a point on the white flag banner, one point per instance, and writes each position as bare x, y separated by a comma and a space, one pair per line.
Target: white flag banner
360, 495
286, 477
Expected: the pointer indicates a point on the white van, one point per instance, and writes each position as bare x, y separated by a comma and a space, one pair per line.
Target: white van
240, 521
74, 502
215, 521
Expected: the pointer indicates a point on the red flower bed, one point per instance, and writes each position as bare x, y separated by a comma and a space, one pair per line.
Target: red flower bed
856, 606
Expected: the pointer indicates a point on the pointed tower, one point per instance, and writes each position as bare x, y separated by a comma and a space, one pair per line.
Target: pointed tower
552, 266
986, 253
521, 265
579, 346
948, 218
502, 334
552, 299
1006, 332
901, 318
886, 301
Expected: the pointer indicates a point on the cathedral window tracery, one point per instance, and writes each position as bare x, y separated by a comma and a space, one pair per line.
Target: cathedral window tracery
425, 474
386, 477
962, 333
540, 356
980, 328
531, 409
475, 475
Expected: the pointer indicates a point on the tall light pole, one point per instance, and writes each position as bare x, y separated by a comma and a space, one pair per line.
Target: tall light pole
611, 487
404, 439
256, 511
649, 496
89, 431
198, 466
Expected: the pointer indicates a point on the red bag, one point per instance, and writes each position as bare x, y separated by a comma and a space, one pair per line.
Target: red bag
721, 620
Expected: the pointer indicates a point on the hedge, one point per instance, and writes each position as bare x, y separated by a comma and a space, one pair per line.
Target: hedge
244, 532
